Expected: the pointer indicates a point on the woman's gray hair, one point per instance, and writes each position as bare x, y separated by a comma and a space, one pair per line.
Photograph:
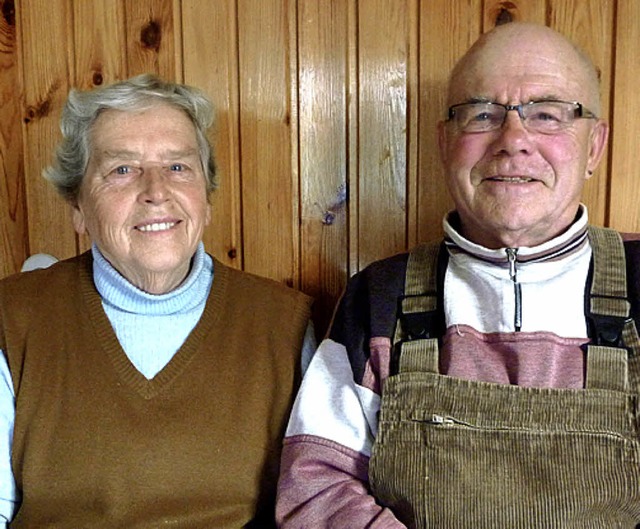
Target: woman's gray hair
134, 94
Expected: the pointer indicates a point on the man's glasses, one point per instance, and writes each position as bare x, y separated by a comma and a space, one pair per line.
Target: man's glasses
547, 117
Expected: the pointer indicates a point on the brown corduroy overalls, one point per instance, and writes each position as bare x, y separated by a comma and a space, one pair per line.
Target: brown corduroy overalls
453, 453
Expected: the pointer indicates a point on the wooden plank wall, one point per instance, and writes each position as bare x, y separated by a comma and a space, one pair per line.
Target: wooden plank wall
326, 114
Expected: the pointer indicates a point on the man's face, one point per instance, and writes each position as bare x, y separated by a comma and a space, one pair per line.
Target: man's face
513, 187
143, 199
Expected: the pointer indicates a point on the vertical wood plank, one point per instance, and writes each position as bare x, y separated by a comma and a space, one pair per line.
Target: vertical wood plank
589, 24
322, 82
47, 58
624, 207
210, 62
265, 137
13, 214
382, 179
150, 43
447, 29
413, 120
99, 42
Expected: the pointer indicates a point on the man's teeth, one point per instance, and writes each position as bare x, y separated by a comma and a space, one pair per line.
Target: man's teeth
157, 226
512, 179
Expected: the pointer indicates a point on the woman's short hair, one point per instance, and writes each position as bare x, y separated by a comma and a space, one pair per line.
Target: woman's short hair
134, 94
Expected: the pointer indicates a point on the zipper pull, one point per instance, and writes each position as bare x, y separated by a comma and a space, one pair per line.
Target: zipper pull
512, 256
439, 419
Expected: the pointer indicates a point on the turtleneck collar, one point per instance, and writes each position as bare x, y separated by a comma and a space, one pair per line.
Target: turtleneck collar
118, 292
568, 242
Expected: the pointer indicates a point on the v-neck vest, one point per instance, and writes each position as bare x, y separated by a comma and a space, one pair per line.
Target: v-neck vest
96, 444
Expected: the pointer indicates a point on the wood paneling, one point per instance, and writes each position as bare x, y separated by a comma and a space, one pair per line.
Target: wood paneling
265, 137
326, 116
382, 133
13, 213
47, 58
323, 148
210, 36
624, 204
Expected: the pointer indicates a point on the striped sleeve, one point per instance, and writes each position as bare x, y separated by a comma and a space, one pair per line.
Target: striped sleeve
324, 471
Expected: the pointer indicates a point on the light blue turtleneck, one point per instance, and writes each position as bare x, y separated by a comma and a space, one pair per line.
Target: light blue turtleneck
151, 328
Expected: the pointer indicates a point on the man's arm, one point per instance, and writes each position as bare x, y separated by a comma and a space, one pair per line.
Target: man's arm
9, 496
324, 472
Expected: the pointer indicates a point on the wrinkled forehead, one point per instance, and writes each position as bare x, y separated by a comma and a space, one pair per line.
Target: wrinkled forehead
513, 67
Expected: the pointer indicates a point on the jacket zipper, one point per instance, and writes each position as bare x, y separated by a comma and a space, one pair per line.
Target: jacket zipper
512, 254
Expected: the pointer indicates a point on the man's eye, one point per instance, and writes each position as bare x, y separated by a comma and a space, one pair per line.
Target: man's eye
482, 116
122, 170
177, 167
545, 116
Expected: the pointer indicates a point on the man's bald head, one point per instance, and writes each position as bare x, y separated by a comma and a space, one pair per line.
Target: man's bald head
515, 42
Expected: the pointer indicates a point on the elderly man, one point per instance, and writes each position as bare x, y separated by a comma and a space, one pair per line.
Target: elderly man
491, 380
143, 383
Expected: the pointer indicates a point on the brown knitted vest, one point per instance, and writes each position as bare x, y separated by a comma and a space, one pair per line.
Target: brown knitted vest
98, 445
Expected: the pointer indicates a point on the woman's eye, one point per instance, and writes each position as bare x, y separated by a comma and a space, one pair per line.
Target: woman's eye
177, 167
122, 170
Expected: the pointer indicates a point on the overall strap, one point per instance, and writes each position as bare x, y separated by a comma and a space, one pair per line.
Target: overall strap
420, 317
612, 332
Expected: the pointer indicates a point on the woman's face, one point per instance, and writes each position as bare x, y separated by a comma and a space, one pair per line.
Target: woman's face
143, 199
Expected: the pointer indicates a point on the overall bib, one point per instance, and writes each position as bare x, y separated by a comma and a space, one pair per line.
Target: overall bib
454, 453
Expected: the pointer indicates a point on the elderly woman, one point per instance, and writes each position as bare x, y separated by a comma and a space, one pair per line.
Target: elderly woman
143, 383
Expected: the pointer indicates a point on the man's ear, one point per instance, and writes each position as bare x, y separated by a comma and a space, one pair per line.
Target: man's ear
597, 145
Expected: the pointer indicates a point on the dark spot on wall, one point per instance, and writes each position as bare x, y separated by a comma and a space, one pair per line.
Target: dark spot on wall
151, 35
504, 17
97, 78
42, 107
9, 12
232, 253
38, 111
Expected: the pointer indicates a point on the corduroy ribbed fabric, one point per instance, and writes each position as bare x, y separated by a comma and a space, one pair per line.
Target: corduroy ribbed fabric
466, 454
96, 444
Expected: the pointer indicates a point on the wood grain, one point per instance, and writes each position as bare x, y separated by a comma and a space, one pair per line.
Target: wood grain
624, 205
151, 37
13, 212
47, 59
210, 62
322, 114
382, 134
265, 138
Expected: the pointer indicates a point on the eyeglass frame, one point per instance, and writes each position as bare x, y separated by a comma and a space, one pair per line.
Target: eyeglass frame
580, 112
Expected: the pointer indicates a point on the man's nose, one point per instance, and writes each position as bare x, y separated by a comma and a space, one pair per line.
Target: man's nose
513, 136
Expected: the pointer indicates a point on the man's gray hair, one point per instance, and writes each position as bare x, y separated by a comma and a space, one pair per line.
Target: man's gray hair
135, 94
